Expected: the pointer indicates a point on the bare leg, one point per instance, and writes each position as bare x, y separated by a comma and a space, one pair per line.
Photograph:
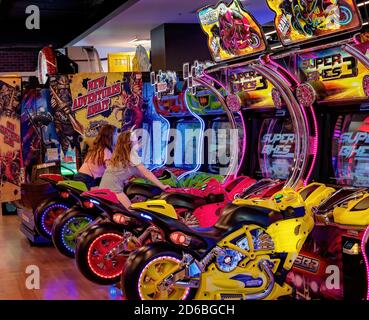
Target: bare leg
124, 200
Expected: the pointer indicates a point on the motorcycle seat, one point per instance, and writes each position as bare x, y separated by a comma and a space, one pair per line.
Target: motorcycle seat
183, 200
234, 216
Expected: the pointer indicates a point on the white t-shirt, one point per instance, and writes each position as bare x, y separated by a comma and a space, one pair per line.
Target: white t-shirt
94, 170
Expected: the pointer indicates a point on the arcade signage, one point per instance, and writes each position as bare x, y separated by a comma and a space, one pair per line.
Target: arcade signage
98, 98
232, 32
334, 74
299, 21
248, 81
354, 144
329, 67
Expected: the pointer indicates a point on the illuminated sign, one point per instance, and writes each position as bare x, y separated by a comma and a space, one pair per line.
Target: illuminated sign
232, 32
280, 145
305, 20
333, 73
329, 67
248, 81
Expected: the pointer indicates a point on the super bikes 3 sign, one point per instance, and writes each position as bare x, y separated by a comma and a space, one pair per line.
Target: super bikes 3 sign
303, 20
232, 32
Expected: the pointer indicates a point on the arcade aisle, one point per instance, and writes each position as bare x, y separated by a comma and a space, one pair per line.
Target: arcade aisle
184, 150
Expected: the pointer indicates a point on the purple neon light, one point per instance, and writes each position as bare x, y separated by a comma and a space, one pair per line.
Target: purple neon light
315, 123
243, 124
363, 241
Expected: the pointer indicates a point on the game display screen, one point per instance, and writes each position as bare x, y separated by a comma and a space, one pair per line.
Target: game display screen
276, 148
350, 150
232, 32
186, 149
306, 20
219, 149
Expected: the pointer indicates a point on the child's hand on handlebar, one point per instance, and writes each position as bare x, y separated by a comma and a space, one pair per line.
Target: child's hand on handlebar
165, 187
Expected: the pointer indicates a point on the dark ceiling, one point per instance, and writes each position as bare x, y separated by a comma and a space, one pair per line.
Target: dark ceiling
60, 20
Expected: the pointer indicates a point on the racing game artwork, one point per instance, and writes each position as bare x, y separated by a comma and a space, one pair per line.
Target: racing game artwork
10, 142
304, 20
232, 32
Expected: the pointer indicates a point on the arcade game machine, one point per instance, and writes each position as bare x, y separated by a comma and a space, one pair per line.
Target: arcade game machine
270, 135
333, 263
180, 152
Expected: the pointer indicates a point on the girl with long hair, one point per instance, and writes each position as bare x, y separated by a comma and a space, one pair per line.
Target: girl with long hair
124, 164
97, 157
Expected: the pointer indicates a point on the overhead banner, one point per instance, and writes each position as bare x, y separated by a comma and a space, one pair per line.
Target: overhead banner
232, 32
10, 141
299, 21
334, 74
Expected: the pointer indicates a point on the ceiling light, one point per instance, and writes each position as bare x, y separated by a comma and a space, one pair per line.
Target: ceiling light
362, 3
133, 40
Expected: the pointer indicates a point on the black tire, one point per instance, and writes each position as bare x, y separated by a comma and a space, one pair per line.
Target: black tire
60, 225
83, 253
42, 212
136, 263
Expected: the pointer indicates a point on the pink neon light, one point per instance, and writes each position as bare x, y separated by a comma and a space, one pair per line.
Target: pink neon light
244, 144
363, 240
315, 149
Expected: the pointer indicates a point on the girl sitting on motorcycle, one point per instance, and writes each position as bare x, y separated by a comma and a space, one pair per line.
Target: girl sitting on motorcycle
124, 164
97, 157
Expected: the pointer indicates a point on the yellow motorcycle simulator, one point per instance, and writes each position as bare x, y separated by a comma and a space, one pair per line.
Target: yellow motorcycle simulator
246, 255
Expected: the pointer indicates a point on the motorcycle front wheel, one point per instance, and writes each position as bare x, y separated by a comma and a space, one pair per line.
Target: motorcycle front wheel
67, 228
91, 254
144, 271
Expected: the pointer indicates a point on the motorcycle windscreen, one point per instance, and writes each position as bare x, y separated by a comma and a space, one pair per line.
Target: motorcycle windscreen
306, 20
232, 32
276, 148
350, 150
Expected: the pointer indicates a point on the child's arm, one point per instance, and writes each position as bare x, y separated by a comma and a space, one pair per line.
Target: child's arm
150, 176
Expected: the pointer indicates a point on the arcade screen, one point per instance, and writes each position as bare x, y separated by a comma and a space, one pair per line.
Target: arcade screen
219, 148
276, 148
187, 144
350, 149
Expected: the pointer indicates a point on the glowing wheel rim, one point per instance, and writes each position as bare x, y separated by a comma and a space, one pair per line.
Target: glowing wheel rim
366, 85
233, 102
71, 230
305, 94
99, 265
49, 216
151, 276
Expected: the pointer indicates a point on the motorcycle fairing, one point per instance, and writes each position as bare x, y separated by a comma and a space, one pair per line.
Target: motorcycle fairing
158, 207
75, 185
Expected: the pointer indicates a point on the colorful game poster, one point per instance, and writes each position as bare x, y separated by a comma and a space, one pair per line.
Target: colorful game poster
83, 102
252, 88
114, 98
10, 141
39, 137
232, 32
334, 74
299, 20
